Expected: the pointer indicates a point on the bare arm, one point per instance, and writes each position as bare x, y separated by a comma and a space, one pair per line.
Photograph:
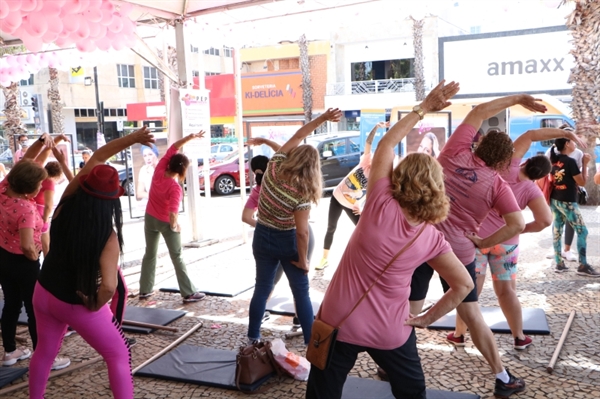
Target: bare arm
261, 140
301, 219
248, 216
332, 115
34, 149
542, 217
523, 142
454, 272
173, 224
514, 226
371, 136
486, 110
111, 148
437, 99
48, 204
60, 158
181, 142
109, 261
43, 156
30, 250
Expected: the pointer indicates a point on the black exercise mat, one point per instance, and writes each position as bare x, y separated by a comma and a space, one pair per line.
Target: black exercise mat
214, 287
22, 317
364, 388
9, 374
534, 321
160, 317
283, 302
197, 365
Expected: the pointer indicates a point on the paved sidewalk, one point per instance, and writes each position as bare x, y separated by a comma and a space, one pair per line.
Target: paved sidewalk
576, 375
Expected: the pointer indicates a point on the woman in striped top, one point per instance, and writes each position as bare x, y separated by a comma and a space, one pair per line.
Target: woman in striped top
290, 184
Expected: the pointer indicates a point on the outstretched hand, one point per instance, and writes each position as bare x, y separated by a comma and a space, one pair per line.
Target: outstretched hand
255, 141
532, 104
60, 157
437, 99
198, 135
332, 115
47, 140
573, 137
143, 136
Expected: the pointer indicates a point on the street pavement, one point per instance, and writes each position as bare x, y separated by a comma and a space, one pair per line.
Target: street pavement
222, 253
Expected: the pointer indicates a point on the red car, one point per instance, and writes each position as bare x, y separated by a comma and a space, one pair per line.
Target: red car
225, 175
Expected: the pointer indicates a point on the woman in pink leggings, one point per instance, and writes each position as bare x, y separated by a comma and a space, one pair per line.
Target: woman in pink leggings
80, 273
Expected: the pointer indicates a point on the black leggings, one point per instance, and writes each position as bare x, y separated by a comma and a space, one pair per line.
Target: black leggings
18, 276
569, 234
335, 210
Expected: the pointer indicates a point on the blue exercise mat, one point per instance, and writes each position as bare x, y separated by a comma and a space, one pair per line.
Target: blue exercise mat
198, 365
157, 316
534, 321
282, 302
214, 287
364, 388
9, 374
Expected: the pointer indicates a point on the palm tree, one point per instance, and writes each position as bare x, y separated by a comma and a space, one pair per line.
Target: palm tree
584, 23
418, 45
56, 106
306, 81
13, 112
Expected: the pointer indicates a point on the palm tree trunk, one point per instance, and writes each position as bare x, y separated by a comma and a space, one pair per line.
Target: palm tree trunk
306, 80
584, 23
12, 126
58, 125
418, 45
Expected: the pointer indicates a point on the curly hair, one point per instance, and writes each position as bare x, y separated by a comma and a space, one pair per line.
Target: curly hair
496, 150
53, 169
537, 167
25, 177
418, 186
302, 170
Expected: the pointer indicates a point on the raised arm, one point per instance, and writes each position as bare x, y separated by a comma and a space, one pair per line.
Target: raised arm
436, 100
181, 142
60, 158
486, 110
261, 140
43, 156
332, 115
523, 142
371, 136
141, 136
34, 149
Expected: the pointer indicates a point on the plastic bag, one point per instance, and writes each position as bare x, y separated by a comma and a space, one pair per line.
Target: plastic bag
295, 366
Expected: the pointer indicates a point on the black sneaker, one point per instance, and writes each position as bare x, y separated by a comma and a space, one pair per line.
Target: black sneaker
131, 341
588, 271
561, 268
296, 323
504, 390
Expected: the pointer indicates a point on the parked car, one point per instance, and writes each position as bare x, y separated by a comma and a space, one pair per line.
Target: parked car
126, 181
219, 152
340, 153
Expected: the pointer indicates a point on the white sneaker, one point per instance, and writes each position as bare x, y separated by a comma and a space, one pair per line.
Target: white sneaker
570, 256
550, 255
60, 363
11, 358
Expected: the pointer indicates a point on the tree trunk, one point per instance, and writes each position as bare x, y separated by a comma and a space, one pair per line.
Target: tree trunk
418, 45
306, 80
12, 126
584, 23
58, 125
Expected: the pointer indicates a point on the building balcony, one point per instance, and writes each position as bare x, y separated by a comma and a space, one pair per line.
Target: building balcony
370, 94
371, 87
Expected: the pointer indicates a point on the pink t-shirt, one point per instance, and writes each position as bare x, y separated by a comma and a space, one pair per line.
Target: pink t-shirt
47, 185
165, 193
524, 192
252, 202
473, 189
378, 322
353, 188
16, 214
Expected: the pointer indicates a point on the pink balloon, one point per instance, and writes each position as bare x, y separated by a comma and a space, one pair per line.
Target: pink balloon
12, 21
116, 26
128, 27
38, 25
49, 37
51, 9
4, 12
33, 44
55, 25
103, 44
118, 44
28, 5
83, 32
125, 9
12, 60
13, 5
96, 31
93, 15
31, 59
70, 23
107, 18
86, 46
107, 5
95, 4
71, 7
40, 5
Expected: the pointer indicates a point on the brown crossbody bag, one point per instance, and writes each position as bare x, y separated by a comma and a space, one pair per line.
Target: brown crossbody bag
323, 335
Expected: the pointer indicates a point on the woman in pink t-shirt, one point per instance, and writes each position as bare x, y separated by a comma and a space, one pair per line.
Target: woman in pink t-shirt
502, 258
161, 220
20, 246
401, 204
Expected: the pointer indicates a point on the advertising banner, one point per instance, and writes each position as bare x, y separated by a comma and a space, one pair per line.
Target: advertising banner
368, 119
195, 116
272, 93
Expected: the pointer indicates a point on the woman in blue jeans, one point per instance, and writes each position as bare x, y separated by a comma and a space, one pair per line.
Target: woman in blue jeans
290, 184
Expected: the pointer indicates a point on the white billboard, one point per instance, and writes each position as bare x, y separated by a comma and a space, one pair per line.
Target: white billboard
496, 64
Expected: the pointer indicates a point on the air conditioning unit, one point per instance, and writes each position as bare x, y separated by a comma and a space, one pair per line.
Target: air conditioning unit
25, 97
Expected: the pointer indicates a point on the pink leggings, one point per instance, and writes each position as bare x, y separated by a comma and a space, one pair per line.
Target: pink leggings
99, 329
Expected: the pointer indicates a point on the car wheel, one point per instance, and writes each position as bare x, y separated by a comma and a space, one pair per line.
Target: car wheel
128, 187
224, 185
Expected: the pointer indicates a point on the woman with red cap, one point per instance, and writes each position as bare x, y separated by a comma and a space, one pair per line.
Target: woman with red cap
79, 276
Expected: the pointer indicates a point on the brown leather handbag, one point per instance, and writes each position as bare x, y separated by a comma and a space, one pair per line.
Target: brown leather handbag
323, 336
253, 363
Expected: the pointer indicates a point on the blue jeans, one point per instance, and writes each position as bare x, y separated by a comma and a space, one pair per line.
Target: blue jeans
271, 246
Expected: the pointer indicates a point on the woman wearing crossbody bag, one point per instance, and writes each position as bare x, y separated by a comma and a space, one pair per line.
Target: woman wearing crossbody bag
401, 203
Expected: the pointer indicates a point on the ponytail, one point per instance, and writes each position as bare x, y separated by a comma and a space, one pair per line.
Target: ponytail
553, 154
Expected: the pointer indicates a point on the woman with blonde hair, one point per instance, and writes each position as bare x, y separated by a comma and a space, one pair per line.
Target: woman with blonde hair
290, 184
402, 206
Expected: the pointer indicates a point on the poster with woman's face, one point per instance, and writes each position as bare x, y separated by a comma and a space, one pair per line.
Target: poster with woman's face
429, 135
144, 159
